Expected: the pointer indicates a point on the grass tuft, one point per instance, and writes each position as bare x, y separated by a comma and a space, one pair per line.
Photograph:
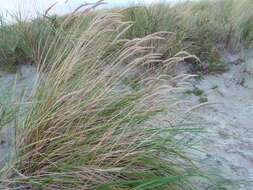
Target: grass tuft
85, 130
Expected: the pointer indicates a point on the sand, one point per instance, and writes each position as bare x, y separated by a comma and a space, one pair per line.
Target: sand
14, 86
229, 139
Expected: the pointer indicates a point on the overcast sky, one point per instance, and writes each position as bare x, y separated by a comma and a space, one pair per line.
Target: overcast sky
30, 6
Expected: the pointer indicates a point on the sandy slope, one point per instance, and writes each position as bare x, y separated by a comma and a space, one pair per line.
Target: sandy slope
18, 85
229, 141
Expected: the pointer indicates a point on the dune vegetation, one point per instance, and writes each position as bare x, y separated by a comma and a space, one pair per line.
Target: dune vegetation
84, 127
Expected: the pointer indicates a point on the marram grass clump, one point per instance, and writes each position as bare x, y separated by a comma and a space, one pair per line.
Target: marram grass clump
85, 130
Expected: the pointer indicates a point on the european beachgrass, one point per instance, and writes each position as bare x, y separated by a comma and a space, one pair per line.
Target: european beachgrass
226, 21
86, 130
199, 27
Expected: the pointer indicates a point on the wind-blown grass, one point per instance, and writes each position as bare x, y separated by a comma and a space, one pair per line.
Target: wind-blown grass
86, 130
